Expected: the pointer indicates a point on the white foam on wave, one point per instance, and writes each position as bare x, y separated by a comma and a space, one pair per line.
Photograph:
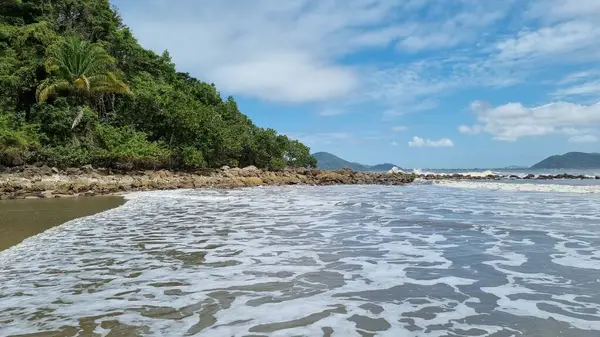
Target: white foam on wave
519, 187
205, 195
481, 174
585, 257
279, 254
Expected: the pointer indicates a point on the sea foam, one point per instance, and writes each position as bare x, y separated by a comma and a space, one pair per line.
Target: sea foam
424, 260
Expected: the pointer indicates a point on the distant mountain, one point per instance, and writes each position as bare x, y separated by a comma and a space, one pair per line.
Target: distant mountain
328, 161
571, 160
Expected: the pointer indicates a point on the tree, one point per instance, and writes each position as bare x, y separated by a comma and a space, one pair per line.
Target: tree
63, 64
79, 68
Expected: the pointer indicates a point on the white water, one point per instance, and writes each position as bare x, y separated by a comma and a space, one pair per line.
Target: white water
419, 260
530, 187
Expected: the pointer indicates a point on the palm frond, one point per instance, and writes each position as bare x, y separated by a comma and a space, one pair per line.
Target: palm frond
82, 83
108, 82
78, 118
80, 66
49, 88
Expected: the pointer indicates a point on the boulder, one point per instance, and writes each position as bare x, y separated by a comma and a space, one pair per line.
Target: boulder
73, 171
17, 160
46, 194
250, 168
330, 178
55, 170
87, 168
225, 168
252, 181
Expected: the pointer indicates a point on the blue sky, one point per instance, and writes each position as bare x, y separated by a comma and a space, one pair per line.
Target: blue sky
420, 83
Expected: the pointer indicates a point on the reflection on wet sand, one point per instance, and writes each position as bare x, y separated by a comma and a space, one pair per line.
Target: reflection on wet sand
20, 219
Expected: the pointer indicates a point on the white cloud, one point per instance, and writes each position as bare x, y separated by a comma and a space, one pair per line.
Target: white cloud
291, 51
553, 10
399, 128
591, 88
464, 24
331, 112
576, 38
297, 51
563, 31
420, 142
583, 139
579, 76
394, 143
269, 76
273, 50
473, 130
512, 121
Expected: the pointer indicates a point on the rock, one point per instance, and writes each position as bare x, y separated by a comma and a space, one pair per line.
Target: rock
225, 168
529, 176
250, 168
55, 170
17, 161
330, 177
87, 168
30, 172
73, 171
46, 194
252, 181
345, 171
250, 171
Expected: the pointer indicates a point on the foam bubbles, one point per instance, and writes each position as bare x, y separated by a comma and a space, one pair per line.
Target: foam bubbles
530, 187
421, 260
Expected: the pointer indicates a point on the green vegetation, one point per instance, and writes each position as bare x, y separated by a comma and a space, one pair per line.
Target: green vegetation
76, 88
328, 161
571, 160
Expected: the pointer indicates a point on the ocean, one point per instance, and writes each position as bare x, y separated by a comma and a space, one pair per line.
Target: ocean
449, 258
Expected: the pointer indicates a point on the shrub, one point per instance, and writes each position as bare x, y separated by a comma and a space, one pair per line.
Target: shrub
192, 158
17, 143
277, 164
125, 148
64, 156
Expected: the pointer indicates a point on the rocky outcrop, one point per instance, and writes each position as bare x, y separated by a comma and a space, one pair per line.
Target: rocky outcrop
45, 182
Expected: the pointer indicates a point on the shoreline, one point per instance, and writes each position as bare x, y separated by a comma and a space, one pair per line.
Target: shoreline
32, 182
22, 219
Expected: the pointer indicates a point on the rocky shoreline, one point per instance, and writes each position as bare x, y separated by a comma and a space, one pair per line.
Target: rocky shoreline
28, 182
44, 182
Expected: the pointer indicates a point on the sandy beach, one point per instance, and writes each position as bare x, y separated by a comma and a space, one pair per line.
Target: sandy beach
25, 218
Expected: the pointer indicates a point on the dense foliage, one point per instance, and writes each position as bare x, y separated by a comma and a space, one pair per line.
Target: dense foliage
76, 88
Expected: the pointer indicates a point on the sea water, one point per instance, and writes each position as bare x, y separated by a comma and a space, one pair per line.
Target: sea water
435, 259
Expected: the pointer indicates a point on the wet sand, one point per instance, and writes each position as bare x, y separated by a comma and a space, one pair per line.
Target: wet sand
20, 219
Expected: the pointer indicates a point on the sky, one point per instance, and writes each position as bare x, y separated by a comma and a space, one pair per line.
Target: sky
419, 83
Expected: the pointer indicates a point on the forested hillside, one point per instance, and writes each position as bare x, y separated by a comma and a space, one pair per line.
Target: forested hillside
76, 88
571, 160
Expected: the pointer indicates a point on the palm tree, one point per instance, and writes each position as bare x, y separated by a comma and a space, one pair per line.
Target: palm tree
79, 68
